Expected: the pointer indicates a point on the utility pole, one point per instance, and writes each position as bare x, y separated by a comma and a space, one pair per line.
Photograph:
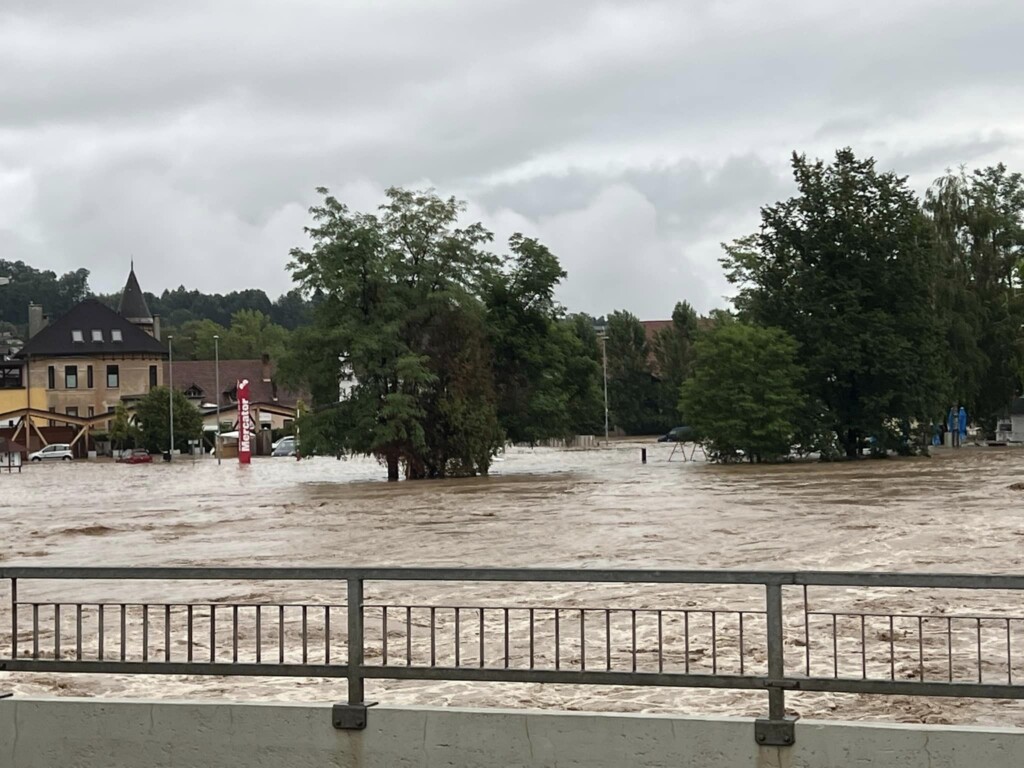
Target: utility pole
216, 357
170, 393
604, 350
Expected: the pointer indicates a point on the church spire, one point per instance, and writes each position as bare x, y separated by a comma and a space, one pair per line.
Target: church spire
133, 307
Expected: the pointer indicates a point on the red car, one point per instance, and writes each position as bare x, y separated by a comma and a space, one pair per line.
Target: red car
138, 456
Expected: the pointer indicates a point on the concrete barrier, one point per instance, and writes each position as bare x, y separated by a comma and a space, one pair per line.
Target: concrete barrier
97, 733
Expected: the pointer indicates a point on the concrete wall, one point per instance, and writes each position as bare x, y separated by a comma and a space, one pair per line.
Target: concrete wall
85, 733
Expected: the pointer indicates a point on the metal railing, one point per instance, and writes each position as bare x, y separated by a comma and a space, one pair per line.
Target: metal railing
772, 638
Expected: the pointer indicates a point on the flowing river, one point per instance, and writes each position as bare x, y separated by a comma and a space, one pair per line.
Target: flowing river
956, 512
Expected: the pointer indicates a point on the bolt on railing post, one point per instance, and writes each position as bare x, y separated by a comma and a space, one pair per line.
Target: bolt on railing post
777, 730
352, 715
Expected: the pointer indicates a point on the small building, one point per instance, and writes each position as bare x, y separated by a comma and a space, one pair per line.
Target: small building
1010, 428
10, 455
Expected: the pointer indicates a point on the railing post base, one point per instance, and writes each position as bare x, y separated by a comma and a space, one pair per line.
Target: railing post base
350, 717
775, 733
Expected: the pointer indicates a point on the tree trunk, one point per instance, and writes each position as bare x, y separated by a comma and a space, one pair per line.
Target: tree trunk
851, 444
392, 462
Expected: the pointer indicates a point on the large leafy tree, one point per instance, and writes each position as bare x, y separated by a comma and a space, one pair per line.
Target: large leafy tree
979, 235
847, 267
153, 414
673, 356
744, 398
398, 288
633, 391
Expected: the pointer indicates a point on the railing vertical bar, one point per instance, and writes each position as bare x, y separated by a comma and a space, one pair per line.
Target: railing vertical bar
714, 642
892, 648
608, 639
78, 631
482, 637
124, 633
807, 635
458, 638
213, 633
327, 634
305, 634
189, 618
776, 657
583, 640
56, 631
99, 629
863, 648
384, 634
835, 647
686, 641
531, 639
259, 634
979, 649
741, 639
408, 636
433, 636
145, 632
506, 639
949, 645
558, 640
14, 618
1009, 656
167, 632
920, 648
633, 619
355, 640
35, 630
234, 634
280, 634
661, 643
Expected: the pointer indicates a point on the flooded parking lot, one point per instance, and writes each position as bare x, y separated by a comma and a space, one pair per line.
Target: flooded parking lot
586, 509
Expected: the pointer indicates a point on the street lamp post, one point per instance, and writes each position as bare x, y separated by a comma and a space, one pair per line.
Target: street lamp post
216, 357
170, 392
604, 351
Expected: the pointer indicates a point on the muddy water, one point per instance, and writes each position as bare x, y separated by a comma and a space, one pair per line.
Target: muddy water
540, 508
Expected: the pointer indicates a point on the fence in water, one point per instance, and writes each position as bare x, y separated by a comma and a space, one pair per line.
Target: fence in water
772, 631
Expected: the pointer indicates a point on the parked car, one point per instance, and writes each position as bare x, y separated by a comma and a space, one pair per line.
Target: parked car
286, 446
677, 435
53, 452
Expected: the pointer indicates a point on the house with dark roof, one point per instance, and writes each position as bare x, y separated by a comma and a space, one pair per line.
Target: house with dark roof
87, 361
272, 406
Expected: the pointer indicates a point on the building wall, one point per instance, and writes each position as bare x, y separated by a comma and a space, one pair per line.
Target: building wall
134, 378
94, 733
14, 399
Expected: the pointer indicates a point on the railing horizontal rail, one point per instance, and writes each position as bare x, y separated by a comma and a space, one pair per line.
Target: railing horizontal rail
458, 574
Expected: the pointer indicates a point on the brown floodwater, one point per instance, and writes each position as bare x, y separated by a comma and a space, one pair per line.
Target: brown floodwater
582, 509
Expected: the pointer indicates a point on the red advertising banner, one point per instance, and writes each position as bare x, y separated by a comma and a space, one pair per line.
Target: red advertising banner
244, 435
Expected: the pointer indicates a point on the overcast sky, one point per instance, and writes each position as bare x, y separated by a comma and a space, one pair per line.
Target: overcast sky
631, 137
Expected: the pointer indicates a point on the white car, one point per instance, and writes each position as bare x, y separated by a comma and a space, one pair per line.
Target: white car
53, 452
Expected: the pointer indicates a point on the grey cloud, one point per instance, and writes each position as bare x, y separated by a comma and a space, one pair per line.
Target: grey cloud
634, 135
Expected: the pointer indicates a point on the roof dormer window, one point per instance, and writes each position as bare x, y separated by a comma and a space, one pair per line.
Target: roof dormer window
115, 335
77, 337
97, 336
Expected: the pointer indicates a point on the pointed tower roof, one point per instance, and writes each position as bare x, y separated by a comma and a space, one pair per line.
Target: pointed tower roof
133, 307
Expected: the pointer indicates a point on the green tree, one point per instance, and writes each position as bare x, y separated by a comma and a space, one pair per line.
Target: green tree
979, 234
744, 397
633, 395
251, 336
847, 267
393, 285
123, 431
673, 355
582, 377
153, 415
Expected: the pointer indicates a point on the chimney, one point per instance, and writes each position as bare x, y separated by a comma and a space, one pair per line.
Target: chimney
265, 359
36, 319
156, 327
